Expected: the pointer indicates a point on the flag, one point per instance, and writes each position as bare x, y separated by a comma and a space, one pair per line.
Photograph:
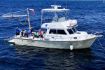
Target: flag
32, 11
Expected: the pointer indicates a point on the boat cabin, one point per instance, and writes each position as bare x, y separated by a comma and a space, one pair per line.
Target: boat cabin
59, 27
59, 31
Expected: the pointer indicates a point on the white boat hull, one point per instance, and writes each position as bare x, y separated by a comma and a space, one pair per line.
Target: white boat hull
54, 44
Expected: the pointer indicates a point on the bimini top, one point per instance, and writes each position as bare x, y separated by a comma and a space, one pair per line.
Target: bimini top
55, 8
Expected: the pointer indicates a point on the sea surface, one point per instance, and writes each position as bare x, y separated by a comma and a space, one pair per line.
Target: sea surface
91, 18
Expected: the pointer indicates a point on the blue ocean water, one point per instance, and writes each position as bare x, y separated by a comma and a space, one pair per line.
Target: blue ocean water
91, 18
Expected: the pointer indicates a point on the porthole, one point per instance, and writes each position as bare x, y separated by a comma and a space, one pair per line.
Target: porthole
75, 37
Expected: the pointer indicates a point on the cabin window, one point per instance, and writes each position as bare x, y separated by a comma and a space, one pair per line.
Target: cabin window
54, 31
70, 31
74, 30
61, 32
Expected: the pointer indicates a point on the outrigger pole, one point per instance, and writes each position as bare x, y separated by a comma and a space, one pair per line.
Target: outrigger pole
28, 18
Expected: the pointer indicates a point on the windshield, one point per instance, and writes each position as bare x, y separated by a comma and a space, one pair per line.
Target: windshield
74, 30
71, 31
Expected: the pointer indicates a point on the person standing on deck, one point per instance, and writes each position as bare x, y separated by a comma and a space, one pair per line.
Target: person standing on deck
18, 31
40, 33
30, 31
22, 33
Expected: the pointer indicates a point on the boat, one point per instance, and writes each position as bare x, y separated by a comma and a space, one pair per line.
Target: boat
12, 16
60, 33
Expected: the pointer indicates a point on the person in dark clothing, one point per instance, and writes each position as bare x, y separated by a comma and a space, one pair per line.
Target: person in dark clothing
26, 33
31, 30
22, 33
18, 31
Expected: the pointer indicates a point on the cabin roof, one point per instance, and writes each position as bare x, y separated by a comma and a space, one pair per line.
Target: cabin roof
60, 25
